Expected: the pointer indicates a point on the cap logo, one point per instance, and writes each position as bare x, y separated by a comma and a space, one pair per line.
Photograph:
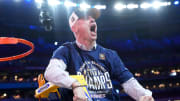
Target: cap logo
72, 19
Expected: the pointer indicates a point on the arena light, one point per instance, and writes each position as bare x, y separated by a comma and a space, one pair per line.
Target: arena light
55, 43
35, 79
119, 6
158, 4
170, 84
5, 94
178, 70
132, 6
39, 1
146, 5
162, 85
17, 0
28, 1
147, 87
154, 86
20, 79
173, 72
16, 96
137, 74
156, 73
15, 77
117, 91
100, 6
165, 3
84, 6
176, 2
54, 2
168, 3
69, 4
4, 77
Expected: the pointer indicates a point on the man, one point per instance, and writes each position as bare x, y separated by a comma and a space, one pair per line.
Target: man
98, 64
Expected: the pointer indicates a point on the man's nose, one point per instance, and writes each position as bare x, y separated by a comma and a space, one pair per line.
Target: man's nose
91, 19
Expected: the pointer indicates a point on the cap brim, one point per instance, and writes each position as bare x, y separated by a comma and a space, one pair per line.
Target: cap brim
93, 12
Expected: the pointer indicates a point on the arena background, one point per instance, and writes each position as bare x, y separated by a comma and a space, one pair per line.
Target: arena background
147, 38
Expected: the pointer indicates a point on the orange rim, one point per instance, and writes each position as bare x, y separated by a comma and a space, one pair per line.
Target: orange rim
11, 40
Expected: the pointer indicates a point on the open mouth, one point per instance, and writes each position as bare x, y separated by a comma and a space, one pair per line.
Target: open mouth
93, 28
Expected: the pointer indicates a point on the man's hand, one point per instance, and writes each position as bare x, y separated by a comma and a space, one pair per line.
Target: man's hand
146, 98
79, 94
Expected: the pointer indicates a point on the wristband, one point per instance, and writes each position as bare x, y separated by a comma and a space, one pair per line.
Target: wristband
78, 86
11, 40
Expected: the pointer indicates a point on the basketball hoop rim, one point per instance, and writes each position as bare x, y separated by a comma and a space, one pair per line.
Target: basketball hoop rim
13, 40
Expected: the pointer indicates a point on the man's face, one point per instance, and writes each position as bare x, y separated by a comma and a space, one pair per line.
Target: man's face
87, 28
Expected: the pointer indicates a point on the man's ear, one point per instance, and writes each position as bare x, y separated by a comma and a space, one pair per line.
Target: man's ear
74, 28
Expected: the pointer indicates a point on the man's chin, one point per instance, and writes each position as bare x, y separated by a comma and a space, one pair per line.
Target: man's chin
94, 35
94, 38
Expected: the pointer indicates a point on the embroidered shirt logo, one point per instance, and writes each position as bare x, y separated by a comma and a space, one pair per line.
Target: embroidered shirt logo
102, 56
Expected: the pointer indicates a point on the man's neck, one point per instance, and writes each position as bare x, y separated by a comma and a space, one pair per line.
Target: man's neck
86, 45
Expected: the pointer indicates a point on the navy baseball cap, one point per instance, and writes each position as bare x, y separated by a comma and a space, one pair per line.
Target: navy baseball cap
78, 14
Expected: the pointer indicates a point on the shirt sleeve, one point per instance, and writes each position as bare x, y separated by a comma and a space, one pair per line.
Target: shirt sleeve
119, 71
62, 53
135, 90
55, 73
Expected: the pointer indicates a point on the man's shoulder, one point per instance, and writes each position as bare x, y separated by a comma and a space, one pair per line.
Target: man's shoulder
65, 46
106, 50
